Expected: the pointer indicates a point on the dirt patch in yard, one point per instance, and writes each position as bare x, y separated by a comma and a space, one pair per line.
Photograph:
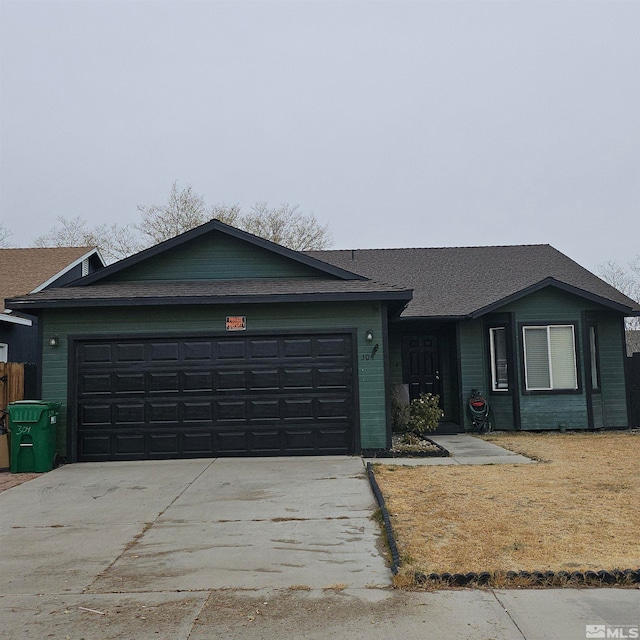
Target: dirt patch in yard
577, 510
9, 480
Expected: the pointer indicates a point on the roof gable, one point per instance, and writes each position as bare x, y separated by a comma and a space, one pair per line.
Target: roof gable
216, 251
455, 282
32, 269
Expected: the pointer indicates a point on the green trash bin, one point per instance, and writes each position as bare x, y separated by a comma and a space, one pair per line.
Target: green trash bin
33, 435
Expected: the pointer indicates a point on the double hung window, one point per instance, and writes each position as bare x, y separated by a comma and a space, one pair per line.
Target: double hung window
550, 358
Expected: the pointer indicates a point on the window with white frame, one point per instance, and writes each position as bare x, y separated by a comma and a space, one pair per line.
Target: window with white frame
499, 370
4, 352
550, 358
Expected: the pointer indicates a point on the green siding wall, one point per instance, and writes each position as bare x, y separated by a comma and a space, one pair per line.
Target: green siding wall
612, 402
216, 256
551, 410
472, 360
324, 317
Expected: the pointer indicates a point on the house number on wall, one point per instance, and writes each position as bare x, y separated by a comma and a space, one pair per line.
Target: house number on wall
371, 356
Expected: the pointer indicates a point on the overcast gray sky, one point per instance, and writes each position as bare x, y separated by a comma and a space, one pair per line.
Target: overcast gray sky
398, 123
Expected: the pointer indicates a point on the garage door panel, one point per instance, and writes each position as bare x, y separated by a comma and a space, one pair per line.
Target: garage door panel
333, 408
97, 384
232, 443
298, 409
164, 352
197, 443
158, 412
197, 412
227, 411
264, 349
129, 414
231, 350
95, 414
95, 353
297, 348
130, 352
265, 410
197, 350
297, 378
195, 397
164, 382
163, 443
265, 442
232, 380
129, 383
331, 347
128, 445
197, 381
264, 379
95, 446
334, 378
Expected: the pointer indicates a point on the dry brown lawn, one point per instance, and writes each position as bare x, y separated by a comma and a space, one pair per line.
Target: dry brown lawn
576, 510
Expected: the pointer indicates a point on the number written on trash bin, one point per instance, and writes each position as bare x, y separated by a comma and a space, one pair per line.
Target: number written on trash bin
22, 429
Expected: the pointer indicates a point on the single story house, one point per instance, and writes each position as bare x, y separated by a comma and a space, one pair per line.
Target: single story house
31, 270
218, 342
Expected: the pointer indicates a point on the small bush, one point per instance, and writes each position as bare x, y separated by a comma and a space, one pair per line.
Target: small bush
425, 413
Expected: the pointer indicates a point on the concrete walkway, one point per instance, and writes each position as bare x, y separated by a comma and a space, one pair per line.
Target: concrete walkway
464, 449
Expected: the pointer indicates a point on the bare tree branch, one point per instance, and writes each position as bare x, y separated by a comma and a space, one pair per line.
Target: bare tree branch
626, 280
113, 240
288, 226
183, 211
5, 234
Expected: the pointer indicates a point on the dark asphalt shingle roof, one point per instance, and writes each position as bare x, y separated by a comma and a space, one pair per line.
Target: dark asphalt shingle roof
211, 291
460, 281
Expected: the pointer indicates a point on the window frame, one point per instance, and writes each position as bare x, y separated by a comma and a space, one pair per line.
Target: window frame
594, 357
576, 359
4, 352
493, 361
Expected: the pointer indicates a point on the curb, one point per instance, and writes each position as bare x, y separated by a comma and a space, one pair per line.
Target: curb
535, 578
391, 541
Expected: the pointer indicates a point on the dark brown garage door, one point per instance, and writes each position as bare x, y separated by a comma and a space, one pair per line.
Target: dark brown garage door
227, 396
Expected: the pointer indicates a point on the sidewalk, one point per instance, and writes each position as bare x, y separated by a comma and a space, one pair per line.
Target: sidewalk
464, 449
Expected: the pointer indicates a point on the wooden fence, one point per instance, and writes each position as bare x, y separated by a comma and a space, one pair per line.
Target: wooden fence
632, 366
11, 383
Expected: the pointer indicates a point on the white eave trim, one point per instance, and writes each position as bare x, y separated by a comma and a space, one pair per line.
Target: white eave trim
70, 266
5, 317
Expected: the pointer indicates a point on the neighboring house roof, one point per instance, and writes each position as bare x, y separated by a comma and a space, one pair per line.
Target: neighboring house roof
212, 291
454, 282
28, 270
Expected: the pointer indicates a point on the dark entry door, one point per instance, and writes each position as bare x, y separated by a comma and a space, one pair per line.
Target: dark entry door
421, 365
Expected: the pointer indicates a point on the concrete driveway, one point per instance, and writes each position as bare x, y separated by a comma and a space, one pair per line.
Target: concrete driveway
240, 548
192, 525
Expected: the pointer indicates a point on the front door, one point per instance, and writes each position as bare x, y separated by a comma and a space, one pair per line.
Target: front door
421, 360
